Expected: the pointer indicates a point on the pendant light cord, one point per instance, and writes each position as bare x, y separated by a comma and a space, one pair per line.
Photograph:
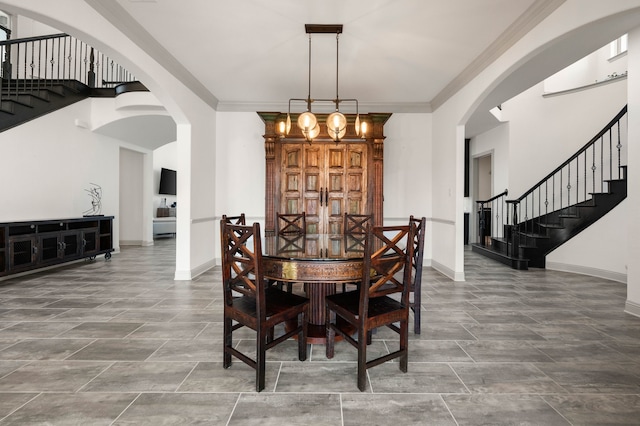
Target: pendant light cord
309, 95
337, 68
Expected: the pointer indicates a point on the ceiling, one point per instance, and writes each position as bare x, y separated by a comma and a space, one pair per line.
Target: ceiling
394, 55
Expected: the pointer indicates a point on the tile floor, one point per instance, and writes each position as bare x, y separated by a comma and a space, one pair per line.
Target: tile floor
122, 343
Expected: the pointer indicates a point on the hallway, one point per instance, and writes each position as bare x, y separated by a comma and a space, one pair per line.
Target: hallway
120, 342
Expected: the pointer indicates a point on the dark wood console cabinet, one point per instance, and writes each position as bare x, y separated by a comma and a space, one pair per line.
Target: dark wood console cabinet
36, 244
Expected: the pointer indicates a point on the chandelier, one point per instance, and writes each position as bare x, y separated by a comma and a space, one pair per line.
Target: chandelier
336, 121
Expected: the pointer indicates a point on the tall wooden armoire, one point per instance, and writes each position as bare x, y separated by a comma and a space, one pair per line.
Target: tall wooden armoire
323, 178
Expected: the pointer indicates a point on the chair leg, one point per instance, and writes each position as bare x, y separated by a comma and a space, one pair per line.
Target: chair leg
362, 360
228, 342
302, 337
404, 345
417, 303
261, 360
331, 333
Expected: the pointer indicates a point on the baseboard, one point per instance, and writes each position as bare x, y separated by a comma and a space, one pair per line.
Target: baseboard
455, 276
632, 308
585, 270
131, 243
193, 273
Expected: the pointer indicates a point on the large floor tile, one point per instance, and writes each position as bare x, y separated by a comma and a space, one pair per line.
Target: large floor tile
504, 410
51, 376
70, 409
503, 347
316, 409
174, 409
395, 409
140, 377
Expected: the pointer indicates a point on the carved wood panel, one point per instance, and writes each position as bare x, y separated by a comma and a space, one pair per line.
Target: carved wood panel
323, 178
332, 180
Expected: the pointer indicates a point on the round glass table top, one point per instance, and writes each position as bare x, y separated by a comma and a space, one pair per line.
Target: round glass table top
314, 246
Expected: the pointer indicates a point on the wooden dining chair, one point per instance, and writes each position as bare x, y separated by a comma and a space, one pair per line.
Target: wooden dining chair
416, 266
388, 252
355, 230
250, 302
235, 220
291, 223
357, 223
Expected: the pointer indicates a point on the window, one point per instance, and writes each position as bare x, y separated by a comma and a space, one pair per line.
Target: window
618, 47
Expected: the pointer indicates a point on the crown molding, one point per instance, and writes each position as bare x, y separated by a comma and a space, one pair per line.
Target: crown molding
535, 14
364, 107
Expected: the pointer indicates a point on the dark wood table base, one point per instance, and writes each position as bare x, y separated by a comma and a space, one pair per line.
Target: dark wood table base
320, 278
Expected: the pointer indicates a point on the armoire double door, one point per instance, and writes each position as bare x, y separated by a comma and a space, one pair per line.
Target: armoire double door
324, 180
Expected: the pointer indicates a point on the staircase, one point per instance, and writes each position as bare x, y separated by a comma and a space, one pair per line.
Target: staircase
19, 104
42, 74
521, 232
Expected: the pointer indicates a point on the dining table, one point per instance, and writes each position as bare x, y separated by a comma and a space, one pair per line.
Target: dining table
320, 261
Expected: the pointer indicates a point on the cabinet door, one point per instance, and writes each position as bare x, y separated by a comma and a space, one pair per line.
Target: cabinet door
324, 181
49, 246
89, 241
22, 252
347, 183
291, 179
71, 245
314, 188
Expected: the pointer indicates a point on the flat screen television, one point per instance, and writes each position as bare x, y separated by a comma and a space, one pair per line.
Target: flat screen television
167, 182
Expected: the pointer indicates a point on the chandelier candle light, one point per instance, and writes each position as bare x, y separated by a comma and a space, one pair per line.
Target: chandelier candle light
336, 121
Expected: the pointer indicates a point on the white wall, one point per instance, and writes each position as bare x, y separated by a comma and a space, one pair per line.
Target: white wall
593, 68
407, 162
27, 27
240, 165
131, 197
166, 156
408, 182
544, 132
600, 250
558, 124
632, 224
49, 163
496, 143
560, 39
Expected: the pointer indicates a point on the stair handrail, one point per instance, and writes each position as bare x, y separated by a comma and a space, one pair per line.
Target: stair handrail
493, 228
600, 134
34, 38
527, 224
32, 63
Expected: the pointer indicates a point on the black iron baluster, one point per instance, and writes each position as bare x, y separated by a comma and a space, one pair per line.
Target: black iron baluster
610, 155
32, 66
619, 146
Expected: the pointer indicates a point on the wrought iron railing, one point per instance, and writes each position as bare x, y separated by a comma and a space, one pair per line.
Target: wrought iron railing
493, 215
35, 63
560, 192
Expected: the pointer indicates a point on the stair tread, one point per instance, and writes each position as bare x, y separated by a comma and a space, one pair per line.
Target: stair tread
531, 235
552, 225
17, 102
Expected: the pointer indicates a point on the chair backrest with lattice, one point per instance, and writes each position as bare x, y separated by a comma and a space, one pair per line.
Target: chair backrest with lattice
235, 220
418, 248
357, 223
242, 263
387, 263
291, 223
